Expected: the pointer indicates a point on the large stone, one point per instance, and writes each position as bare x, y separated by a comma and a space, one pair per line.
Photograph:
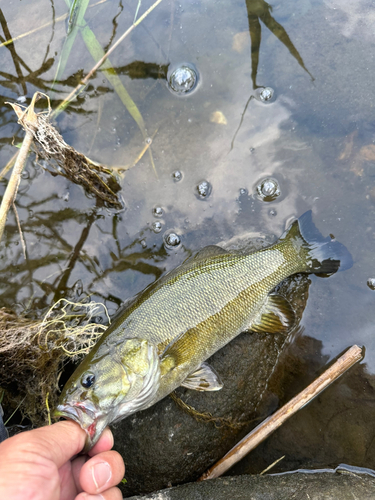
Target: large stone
327, 486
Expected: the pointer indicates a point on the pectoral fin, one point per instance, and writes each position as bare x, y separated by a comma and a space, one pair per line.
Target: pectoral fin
276, 316
203, 379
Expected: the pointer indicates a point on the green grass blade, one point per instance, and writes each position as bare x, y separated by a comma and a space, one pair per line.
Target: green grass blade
109, 72
76, 20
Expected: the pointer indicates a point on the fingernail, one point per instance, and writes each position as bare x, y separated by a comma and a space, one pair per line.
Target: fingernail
101, 474
86, 496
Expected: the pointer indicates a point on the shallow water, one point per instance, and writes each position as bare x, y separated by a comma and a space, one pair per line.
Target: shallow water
315, 137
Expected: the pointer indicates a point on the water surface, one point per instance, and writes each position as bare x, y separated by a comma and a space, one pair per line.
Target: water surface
315, 137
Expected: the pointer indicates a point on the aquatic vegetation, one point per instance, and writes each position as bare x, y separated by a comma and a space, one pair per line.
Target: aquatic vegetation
68, 162
33, 352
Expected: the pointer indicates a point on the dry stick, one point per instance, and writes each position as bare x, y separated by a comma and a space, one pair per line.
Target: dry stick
268, 426
101, 61
11, 190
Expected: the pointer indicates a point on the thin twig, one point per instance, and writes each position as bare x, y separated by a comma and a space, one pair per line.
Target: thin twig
83, 83
9, 165
19, 230
121, 169
272, 465
12, 187
268, 426
48, 410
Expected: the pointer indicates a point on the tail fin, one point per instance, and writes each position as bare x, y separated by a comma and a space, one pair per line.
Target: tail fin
321, 255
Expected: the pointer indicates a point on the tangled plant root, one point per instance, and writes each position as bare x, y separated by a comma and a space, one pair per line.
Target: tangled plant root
33, 353
207, 417
66, 161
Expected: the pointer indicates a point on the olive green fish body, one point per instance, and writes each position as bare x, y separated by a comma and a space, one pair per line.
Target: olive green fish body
163, 338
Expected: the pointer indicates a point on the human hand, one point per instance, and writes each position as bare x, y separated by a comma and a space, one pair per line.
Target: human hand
40, 465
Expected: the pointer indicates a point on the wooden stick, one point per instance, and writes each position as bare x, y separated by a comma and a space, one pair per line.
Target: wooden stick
28, 120
273, 422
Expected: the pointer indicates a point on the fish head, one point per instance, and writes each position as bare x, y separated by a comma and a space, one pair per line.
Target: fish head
108, 386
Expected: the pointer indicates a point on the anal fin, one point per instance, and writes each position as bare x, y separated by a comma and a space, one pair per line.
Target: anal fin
277, 316
203, 379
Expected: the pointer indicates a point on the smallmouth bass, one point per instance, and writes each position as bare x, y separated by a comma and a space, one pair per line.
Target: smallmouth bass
163, 338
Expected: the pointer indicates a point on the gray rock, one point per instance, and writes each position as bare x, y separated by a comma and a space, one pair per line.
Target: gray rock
327, 486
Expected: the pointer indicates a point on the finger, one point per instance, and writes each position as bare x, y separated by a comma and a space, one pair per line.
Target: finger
102, 472
69, 477
57, 442
105, 443
111, 494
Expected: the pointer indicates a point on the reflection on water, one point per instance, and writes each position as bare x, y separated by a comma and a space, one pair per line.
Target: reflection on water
259, 10
315, 139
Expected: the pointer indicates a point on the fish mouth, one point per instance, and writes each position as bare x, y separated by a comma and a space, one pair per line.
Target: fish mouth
85, 416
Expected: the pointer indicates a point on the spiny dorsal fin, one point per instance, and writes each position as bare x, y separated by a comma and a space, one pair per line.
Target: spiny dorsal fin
276, 316
209, 251
203, 379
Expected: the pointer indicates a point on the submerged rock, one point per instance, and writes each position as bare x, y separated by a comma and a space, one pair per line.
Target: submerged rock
282, 487
164, 445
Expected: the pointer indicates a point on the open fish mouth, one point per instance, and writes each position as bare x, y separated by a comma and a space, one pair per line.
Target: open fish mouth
85, 416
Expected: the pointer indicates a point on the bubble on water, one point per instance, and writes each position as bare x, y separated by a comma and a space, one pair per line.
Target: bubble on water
252, 150
157, 211
204, 189
25, 174
143, 243
171, 240
243, 191
371, 283
272, 212
177, 175
268, 189
182, 79
265, 94
157, 226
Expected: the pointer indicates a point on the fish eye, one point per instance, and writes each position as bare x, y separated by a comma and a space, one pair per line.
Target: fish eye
87, 379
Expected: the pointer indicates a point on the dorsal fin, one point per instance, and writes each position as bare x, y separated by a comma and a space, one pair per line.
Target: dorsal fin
209, 251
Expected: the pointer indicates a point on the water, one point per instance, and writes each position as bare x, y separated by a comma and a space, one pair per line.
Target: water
317, 138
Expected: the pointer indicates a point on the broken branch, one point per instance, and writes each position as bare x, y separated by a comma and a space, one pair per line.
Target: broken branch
273, 422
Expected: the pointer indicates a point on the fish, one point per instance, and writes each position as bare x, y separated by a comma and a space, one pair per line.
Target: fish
164, 336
